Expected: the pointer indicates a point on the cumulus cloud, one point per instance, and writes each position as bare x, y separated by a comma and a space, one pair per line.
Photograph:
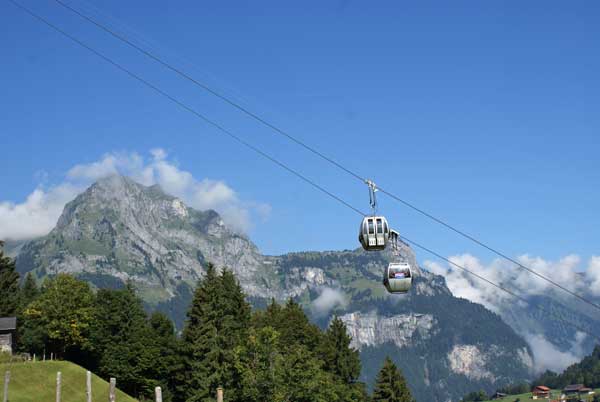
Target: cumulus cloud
38, 214
328, 300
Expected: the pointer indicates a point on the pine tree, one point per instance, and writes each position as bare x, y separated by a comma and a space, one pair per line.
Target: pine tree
125, 345
199, 335
343, 362
300, 378
340, 359
163, 333
9, 285
30, 337
293, 326
29, 292
236, 311
390, 385
256, 364
217, 322
269, 317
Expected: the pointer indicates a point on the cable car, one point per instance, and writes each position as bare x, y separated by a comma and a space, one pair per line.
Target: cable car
374, 233
398, 277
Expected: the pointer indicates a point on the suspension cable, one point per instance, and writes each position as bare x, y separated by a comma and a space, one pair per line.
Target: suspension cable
184, 106
311, 149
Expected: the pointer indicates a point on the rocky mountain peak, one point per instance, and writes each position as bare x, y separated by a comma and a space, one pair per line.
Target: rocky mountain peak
121, 229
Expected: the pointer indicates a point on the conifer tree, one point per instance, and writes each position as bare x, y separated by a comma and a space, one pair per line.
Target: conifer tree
294, 326
269, 317
390, 385
236, 317
217, 322
300, 378
30, 337
124, 342
9, 285
199, 336
29, 291
340, 359
343, 362
163, 334
256, 364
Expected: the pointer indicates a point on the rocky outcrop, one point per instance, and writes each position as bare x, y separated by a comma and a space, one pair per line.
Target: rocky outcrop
402, 330
470, 361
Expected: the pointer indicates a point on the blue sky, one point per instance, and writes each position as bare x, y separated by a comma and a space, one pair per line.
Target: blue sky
482, 113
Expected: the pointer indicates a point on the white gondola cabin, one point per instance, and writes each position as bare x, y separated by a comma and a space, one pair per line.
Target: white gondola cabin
398, 277
374, 233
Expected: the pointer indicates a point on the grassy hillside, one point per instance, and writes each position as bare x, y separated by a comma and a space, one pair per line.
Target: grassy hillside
34, 382
528, 397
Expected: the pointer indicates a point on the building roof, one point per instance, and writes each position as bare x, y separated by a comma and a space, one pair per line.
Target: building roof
8, 323
573, 387
542, 388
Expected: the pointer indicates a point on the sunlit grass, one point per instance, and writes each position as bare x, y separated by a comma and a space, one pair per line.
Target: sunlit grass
34, 382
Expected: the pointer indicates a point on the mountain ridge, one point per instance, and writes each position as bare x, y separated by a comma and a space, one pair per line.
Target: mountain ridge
120, 231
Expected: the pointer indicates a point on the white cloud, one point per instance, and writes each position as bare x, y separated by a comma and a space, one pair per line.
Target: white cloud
468, 286
593, 275
130, 164
158, 153
567, 271
328, 300
546, 356
38, 214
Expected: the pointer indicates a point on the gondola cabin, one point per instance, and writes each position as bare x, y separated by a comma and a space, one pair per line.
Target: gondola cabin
374, 233
398, 277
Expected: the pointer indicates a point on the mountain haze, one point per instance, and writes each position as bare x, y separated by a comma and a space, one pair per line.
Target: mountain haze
119, 231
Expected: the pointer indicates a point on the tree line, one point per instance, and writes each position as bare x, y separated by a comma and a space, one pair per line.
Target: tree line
275, 354
586, 372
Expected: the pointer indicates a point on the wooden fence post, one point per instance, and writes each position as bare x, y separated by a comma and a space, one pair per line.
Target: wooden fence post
58, 385
88, 386
158, 394
6, 381
112, 390
219, 394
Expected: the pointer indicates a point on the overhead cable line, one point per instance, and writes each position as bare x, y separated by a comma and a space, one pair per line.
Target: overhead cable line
207, 88
502, 288
184, 106
279, 163
311, 149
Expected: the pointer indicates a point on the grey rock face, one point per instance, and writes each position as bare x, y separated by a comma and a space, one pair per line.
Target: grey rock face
121, 229
371, 329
